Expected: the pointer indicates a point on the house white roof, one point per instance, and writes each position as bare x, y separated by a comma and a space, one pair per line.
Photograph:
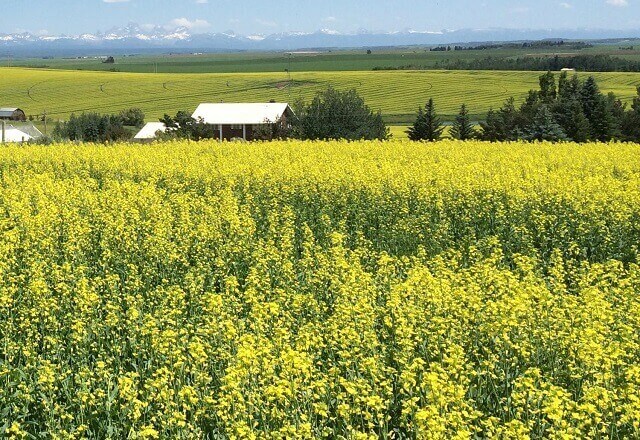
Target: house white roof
251, 113
15, 135
150, 129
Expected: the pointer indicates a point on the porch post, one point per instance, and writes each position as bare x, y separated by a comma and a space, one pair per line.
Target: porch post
220, 132
244, 131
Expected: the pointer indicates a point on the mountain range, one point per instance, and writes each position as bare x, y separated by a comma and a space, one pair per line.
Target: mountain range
155, 39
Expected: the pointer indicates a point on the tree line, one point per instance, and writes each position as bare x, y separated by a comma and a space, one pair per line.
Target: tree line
96, 127
585, 63
564, 110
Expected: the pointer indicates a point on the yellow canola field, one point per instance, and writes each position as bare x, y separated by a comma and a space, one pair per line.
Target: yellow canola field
358, 290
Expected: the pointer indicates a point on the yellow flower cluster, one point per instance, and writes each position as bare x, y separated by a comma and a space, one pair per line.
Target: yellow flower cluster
365, 290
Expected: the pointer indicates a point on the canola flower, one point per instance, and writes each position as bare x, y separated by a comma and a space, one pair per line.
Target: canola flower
308, 290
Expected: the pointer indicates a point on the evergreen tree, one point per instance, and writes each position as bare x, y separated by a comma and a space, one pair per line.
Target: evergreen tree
631, 121
548, 91
590, 97
544, 128
529, 109
597, 111
569, 88
617, 110
563, 82
569, 115
602, 122
511, 120
427, 126
462, 128
503, 125
491, 127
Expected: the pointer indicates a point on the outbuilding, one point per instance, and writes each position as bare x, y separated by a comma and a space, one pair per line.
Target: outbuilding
241, 121
12, 114
150, 132
13, 135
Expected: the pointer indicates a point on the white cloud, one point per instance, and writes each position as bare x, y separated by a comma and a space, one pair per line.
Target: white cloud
115, 1
566, 5
618, 2
202, 2
190, 24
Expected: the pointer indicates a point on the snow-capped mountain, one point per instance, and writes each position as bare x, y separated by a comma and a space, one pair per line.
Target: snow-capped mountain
156, 38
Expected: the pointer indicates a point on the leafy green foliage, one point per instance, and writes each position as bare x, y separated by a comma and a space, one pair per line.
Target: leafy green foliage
133, 117
91, 127
183, 126
334, 114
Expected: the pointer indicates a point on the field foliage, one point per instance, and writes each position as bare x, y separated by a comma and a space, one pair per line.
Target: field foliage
397, 94
320, 290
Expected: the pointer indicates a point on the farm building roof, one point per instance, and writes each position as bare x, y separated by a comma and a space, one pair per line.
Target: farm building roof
7, 111
251, 113
150, 129
28, 128
15, 135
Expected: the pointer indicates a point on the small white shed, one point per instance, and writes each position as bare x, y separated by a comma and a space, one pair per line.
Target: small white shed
149, 132
13, 135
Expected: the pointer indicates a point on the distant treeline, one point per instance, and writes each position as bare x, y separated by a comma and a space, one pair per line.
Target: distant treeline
574, 45
584, 63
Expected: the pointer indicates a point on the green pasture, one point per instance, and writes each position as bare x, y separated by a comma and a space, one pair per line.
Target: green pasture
397, 94
304, 61
307, 61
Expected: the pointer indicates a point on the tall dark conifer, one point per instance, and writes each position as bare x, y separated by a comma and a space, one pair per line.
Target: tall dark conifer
427, 126
462, 128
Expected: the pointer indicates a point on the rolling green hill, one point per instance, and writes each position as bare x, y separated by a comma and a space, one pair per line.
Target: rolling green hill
397, 94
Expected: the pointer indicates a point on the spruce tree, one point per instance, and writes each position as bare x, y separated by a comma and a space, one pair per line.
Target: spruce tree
510, 120
418, 130
631, 121
548, 91
543, 127
427, 126
491, 127
569, 115
462, 128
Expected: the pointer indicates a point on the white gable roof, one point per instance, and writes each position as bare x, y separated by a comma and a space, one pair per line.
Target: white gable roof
150, 129
15, 135
252, 113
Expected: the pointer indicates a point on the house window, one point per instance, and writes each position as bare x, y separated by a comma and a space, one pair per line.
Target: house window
236, 126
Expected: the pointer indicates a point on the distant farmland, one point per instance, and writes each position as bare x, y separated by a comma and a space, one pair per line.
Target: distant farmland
397, 94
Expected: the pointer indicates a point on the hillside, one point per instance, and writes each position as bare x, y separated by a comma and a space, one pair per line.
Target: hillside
396, 93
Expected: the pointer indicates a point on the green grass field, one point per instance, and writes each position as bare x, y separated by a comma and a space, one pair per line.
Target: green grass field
310, 61
249, 62
397, 94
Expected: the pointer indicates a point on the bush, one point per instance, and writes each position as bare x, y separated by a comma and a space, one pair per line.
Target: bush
92, 127
183, 126
132, 117
339, 115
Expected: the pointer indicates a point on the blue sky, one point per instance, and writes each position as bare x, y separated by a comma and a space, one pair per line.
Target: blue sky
260, 16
